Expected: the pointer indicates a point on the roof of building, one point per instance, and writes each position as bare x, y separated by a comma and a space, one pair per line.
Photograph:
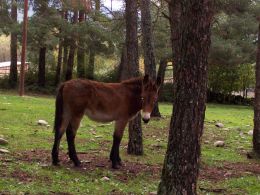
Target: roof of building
8, 63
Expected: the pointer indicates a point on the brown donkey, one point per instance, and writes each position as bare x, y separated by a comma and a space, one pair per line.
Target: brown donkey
103, 102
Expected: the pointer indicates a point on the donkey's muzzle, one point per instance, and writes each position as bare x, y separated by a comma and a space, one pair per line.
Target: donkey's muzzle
146, 120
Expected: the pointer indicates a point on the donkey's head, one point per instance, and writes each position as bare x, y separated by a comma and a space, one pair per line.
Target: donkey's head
149, 96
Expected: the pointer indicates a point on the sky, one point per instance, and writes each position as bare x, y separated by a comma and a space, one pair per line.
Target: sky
116, 5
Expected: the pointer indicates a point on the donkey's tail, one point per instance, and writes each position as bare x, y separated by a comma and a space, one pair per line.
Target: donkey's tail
59, 109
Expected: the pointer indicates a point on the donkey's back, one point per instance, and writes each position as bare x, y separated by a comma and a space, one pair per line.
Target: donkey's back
101, 102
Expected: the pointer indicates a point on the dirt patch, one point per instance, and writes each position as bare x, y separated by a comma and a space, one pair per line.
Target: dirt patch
22, 176
90, 162
229, 170
95, 160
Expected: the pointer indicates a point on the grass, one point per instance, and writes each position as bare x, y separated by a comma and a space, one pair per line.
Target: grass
35, 175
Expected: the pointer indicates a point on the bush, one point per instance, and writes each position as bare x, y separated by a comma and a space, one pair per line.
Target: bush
109, 77
166, 94
4, 82
228, 99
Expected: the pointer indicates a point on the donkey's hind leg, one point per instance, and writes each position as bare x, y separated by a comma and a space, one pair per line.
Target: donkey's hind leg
71, 134
57, 137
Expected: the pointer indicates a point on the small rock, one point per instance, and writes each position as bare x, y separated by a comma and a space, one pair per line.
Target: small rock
4, 150
93, 132
219, 143
227, 174
238, 129
3, 141
206, 142
153, 193
86, 161
105, 179
44, 165
250, 132
98, 136
47, 126
220, 125
241, 134
226, 129
42, 122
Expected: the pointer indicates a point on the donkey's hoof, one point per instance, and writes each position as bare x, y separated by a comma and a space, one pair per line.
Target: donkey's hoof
119, 163
115, 167
77, 164
56, 163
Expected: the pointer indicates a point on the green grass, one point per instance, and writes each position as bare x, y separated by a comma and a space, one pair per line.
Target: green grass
18, 124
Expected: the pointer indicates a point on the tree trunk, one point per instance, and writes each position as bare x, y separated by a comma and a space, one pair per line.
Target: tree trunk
81, 52
161, 74
161, 71
190, 35
65, 58
70, 62
13, 49
92, 49
131, 69
41, 72
256, 134
147, 42
122, 65
91, 65
58, 70
65, 50
135, 142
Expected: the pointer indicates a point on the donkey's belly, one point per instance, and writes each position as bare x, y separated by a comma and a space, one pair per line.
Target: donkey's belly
99, 116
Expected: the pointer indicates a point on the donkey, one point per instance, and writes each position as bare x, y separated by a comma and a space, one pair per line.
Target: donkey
102, 102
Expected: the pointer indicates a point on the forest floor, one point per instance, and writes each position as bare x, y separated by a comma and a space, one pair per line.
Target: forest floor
27, 168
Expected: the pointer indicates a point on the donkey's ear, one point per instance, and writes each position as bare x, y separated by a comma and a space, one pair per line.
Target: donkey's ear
158, 82
146, 79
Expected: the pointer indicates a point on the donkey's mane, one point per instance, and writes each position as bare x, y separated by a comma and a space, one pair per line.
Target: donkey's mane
134, 81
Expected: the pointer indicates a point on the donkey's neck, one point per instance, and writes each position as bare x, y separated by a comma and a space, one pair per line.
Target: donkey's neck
134, 88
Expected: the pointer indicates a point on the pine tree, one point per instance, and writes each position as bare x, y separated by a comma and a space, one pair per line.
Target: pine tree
256, 133
13, 67
190, 24
135, 143
148, 47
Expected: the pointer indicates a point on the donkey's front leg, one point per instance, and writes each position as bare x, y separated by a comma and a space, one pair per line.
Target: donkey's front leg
117, 137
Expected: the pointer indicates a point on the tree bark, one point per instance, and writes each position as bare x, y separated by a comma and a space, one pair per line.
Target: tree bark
256, 134
81, 52
65, 58
65, 50
59, 63
92, 49
190, 35
41, 72
161, 73
91, 65
147, 42
122, 65
73, 46
131, 69
13, 48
